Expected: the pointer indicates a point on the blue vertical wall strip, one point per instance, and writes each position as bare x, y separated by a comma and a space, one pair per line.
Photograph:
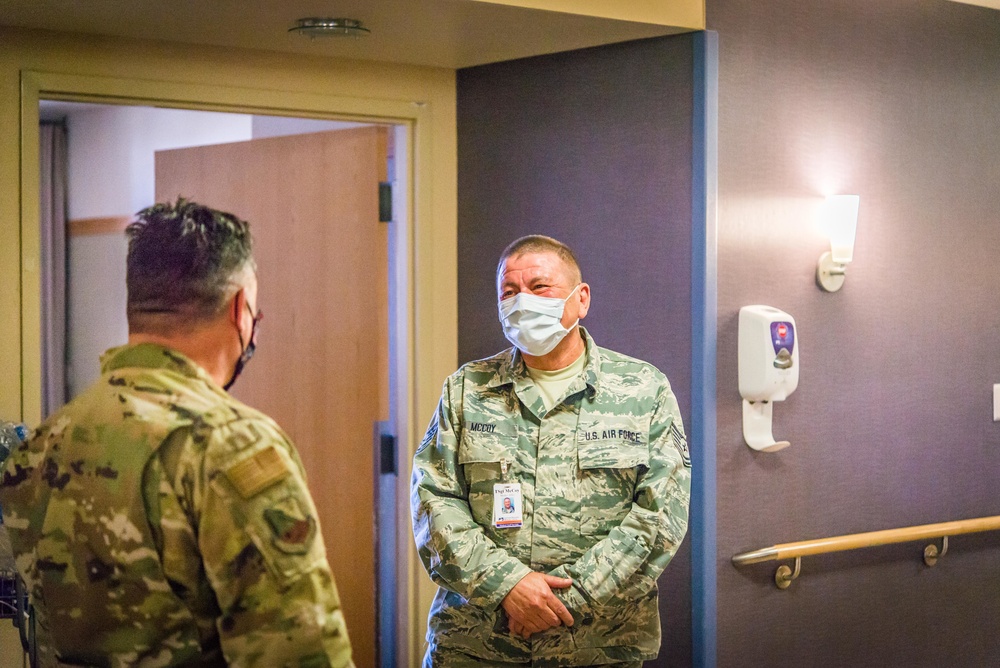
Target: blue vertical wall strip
704, 300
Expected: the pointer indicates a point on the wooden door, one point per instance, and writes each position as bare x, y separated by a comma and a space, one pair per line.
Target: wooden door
321, 366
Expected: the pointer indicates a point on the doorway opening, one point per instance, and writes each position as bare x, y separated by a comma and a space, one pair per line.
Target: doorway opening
331, 255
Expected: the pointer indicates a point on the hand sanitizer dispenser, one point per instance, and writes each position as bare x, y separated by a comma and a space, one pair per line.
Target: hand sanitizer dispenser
768, 369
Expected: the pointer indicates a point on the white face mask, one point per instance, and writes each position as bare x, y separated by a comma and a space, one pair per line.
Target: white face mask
533, 323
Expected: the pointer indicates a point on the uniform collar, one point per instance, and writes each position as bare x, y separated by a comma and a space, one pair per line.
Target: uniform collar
513, 371
151, 356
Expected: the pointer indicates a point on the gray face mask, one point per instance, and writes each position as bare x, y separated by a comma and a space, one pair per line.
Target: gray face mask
534, 324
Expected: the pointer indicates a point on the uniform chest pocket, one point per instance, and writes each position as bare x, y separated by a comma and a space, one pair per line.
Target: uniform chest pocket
482, 453
609, 470
487, 447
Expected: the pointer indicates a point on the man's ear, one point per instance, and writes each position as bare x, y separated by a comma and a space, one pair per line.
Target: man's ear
236, 308
584, 300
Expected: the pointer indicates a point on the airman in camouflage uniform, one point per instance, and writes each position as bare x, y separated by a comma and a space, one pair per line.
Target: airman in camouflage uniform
157, 520
604, 472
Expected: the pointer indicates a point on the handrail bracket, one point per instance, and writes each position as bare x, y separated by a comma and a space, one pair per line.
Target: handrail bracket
931, 554
784, 575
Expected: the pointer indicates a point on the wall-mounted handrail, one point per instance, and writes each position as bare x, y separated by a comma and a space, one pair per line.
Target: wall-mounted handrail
805, 548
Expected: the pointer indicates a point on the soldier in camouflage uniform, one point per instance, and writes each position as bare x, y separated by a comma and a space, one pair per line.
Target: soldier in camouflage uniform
157, 520
592, 442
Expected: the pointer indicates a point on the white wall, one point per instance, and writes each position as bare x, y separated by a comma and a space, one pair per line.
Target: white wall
280, 126
111, 173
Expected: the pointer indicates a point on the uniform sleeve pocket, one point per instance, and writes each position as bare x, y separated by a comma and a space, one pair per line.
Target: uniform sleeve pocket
285, 530
280, 517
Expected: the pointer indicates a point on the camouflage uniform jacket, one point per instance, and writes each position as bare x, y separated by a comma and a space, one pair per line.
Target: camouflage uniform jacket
605, 478
160, 522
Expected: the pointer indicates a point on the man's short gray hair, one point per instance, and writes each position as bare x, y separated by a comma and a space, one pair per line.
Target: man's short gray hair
539, 243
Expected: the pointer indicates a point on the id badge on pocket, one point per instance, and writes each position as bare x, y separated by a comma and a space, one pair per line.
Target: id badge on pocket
507, 505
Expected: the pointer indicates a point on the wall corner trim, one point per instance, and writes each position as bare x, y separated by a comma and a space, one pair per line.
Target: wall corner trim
704, 331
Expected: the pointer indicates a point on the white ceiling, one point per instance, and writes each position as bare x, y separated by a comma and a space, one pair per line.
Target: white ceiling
442, 33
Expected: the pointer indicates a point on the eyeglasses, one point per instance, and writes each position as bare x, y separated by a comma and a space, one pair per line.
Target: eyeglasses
256, 321
256, 318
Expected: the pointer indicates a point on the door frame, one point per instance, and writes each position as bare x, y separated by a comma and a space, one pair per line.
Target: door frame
424, 349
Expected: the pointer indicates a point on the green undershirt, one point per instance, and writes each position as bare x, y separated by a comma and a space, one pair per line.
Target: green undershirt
552, 384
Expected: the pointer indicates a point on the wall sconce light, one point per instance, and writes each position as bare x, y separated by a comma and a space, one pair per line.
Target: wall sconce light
841, 217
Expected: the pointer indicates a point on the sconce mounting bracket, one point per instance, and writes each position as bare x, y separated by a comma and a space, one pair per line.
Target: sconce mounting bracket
830, 274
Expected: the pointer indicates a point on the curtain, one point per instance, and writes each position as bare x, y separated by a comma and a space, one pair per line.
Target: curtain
52, 158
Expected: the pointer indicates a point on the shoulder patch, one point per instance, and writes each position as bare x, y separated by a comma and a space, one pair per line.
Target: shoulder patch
681, 444
432, 431
292, 530
257, 473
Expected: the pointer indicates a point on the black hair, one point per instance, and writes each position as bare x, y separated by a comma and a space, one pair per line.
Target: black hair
185, 261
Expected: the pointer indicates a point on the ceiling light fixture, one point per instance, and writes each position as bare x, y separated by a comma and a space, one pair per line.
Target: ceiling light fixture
316, 27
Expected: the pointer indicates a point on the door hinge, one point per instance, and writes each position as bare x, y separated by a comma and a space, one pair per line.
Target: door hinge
387, 453
385, 202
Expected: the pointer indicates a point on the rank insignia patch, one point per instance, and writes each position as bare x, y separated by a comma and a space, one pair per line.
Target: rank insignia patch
681, 444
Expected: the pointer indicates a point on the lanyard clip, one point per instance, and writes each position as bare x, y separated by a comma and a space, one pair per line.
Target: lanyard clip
504, 465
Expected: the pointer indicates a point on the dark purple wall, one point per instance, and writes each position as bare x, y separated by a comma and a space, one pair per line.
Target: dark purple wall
591, 147
891, 425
